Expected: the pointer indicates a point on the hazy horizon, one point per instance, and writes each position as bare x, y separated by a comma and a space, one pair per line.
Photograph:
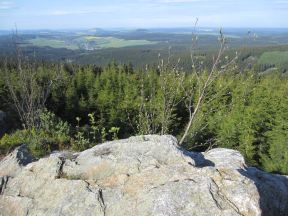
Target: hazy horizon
64, 14
181, 28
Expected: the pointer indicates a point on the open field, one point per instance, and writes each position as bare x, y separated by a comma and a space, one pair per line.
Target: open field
112, 42
53, 43
84, 42
276, 58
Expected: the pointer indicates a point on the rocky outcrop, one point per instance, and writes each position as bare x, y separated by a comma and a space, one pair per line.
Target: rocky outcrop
144, 175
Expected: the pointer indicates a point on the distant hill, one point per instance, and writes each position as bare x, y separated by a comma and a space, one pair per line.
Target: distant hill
142, 46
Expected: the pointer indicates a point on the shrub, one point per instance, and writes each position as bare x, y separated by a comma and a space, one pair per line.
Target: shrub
52, 134
9, 142
38, 142
57, 129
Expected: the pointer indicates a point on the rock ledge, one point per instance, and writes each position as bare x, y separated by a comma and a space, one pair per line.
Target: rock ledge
143, 175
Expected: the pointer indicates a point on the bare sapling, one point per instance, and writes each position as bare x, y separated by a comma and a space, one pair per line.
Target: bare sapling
28, 90
204, 82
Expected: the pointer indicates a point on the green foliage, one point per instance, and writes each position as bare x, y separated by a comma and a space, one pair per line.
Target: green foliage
243, 111
80, 143
9, 142
93, 125
83, 139
51, 134
103, 134
251, 116
58, 129
39, 143
114, 131
276, 160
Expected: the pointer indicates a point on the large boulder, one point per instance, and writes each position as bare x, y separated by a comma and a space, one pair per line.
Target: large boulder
144, 175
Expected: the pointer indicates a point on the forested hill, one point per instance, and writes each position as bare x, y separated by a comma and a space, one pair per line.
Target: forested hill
265, 48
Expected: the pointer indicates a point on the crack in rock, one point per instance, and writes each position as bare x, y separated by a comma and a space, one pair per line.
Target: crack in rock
101, 201
212, 193
3, 183
99, 196
59, 172
223, 197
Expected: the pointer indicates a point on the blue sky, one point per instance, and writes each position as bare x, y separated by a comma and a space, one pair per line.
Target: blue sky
65, 14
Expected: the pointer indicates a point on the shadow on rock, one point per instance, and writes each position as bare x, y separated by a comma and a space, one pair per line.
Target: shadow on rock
272, 189
200, 160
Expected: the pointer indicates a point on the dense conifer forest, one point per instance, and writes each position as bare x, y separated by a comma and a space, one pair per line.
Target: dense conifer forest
86, 104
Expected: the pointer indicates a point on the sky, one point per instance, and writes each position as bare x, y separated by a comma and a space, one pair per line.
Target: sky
69, 14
